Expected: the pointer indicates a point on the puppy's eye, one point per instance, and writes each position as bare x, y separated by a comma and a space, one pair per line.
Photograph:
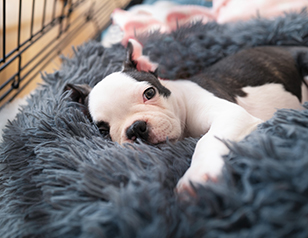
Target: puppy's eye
149, 93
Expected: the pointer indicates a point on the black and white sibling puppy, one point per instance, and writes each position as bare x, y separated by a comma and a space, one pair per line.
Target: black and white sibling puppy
225, 103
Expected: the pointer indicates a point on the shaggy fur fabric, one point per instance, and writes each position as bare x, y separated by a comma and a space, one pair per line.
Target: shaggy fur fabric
61, 178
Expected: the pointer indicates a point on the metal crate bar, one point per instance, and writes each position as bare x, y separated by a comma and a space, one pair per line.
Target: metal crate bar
59, 18
54, 10
44, 13
37, 36
52, 53
50, 25
32, 19
4, 30
19, 26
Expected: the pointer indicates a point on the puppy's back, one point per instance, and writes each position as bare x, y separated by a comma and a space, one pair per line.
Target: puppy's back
256, 67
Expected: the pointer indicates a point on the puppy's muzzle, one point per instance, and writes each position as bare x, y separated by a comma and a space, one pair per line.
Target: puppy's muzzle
139, 129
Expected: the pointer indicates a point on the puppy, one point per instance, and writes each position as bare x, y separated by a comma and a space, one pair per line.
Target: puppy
227, 102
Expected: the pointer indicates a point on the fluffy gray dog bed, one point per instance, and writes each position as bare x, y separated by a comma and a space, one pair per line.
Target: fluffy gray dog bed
61, 178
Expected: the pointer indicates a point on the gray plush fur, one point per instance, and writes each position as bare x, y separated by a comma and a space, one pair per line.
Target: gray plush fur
61, 178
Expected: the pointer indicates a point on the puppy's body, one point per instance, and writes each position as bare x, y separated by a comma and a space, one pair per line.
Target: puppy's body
227, 102
261, 79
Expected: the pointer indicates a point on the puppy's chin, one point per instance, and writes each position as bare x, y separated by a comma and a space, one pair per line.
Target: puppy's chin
165, 131
154, 139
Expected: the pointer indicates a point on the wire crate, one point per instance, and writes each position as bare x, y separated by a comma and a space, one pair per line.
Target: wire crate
35, 32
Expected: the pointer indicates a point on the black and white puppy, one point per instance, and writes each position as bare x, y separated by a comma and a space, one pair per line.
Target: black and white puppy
227, 102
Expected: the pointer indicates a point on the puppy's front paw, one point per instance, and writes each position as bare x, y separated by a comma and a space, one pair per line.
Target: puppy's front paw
199, 174
194, 177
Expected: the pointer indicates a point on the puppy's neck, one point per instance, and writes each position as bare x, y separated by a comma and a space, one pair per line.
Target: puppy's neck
190, 102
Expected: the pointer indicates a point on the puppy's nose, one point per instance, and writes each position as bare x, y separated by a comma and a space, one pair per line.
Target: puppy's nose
138, 129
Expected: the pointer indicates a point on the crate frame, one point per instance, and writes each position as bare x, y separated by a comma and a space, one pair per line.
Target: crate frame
67, 30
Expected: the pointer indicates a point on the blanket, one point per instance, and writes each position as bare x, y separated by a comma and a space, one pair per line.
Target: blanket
166, 16
60, 178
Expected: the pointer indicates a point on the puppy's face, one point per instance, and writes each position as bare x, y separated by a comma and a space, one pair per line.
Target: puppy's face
131, 104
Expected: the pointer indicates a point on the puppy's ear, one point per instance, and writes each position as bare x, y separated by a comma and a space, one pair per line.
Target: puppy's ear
135, 60
129, 63
79, 92
155, 72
